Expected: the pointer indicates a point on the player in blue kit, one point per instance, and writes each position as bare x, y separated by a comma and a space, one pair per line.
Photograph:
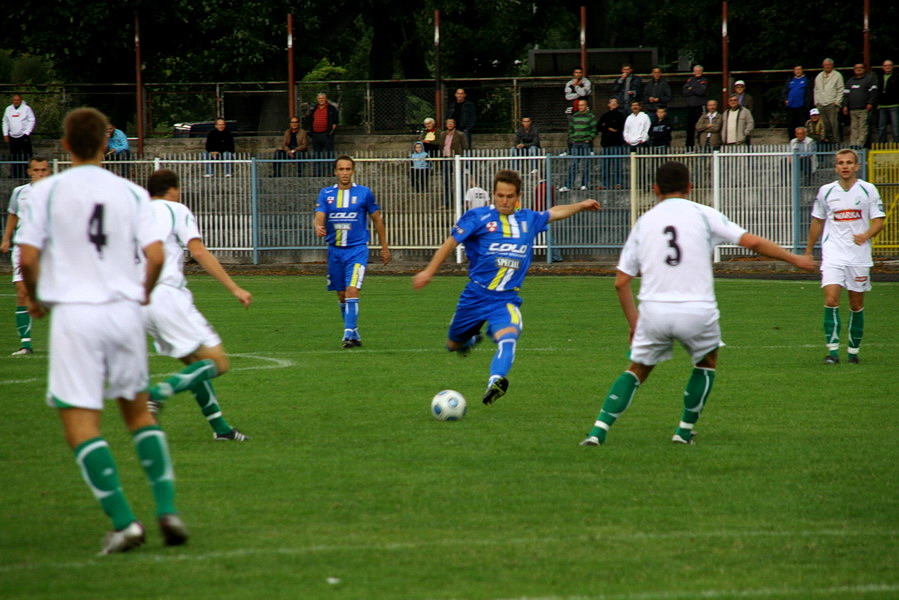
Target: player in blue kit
499, 242
341, 217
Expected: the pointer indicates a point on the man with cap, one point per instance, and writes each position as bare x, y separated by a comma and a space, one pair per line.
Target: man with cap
814, 127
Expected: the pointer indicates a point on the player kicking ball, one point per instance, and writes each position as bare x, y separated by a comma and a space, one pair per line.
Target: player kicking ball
670, 247
499, 242
177, 327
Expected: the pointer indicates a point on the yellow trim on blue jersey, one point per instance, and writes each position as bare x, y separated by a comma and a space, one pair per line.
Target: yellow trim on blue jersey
498, 278
357, 273
514, 313
507, 229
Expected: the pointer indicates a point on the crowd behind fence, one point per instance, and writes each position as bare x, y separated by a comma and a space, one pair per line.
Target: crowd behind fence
253, 216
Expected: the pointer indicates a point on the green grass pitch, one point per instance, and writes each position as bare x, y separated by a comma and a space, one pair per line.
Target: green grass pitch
350, 490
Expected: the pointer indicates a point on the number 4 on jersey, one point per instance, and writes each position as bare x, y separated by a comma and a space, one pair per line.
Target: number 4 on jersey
95, 229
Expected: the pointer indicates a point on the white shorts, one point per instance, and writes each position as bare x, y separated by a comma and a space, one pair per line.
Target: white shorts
92, 345
854, 279
17, 265
175, 324
694, 325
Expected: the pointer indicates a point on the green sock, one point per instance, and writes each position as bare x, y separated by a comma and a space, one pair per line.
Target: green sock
100, 473
205, 396
189, 376
23, 325
856, 330
153, 452
619, 398
832, 328
696, 393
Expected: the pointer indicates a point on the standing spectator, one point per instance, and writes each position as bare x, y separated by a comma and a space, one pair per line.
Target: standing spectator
848, 212
451, 143
743, 99
738, 123
219, 146
797, 97
420, 170
324, 126
670, 249
859, 99
464, 113
708, 127
18, 125
657, 92
636, 127
527, 141
429, 137
803, 149
611, 136
342, 218
628, 87
695, 94
581, 131
888, 100
78, 245
888, 110
660, 129
294, 144
814, 127
38, 168
577, 88
828, 99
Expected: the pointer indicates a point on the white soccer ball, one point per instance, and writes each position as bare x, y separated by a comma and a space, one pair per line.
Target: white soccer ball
448, 405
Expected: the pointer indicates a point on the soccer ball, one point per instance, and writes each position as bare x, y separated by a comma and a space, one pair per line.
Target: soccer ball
448, 405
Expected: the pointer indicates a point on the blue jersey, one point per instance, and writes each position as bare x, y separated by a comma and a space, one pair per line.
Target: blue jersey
346, 214
499, 247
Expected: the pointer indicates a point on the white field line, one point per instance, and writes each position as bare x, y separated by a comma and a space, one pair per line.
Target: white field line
806, 592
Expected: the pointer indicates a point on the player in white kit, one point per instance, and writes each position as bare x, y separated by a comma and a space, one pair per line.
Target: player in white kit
38, 168
177, 327
670, 247
79, 238
849, 212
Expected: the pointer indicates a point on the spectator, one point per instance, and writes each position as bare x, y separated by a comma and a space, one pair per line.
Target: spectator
803, 149
737, 123
117, 148
695, 94
859, 98
814, 127
464, 113
797, 97
219, 145
429, 136
323, 127
636, 127
18, 125
628, 87
657, 92
611, 131
743, 99
294, 144
578, 88
452, 142
828, 99
888, 111
476, 196
421, 169
527, 142
708, 127
581, 131
660, 129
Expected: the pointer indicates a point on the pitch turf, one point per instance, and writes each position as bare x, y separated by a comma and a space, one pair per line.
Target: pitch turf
350, 490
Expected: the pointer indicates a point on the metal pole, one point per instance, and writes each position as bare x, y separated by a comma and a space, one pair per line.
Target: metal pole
584, 39
725, 70
867, 35
140, 87
438, 96
291, 81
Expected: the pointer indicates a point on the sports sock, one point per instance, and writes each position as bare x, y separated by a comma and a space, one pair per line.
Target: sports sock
189, 376
342, 310
23, 325
99, 471
505, 355
856, 330
351, 318
699, 386
153, 452
618, 399
832, 328
206, 398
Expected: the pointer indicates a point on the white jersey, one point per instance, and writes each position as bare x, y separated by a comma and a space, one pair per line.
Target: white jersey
846, 213
671, 246
177, 226
17, 202
476, 197
90, 226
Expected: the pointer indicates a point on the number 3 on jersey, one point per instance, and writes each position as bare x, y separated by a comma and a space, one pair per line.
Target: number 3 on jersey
672, 260
95, 231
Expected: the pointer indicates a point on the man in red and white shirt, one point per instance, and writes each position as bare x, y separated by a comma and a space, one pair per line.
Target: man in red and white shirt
849, 212
324, 126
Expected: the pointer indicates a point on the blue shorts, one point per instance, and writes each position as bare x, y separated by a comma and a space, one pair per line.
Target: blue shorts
346, 267
475, 307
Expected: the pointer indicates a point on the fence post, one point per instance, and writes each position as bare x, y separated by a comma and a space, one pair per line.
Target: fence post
457, 198
716, 192
794, 192
254, 203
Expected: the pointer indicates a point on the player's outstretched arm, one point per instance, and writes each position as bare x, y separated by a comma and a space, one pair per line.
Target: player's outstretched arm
563, 211
208, 261
422, 278
382, 235
768, 248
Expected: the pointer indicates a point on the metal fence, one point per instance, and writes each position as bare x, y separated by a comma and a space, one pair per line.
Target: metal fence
255, 216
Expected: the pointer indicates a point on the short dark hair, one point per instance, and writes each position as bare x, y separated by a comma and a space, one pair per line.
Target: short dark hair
344, 157
84, 129
672, 177
508, 176
36, 158
161, 181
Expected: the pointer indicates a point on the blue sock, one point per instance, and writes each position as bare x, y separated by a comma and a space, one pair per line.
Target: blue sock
505, 355
351, 318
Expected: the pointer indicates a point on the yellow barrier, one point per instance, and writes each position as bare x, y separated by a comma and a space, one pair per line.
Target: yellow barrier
883, 171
